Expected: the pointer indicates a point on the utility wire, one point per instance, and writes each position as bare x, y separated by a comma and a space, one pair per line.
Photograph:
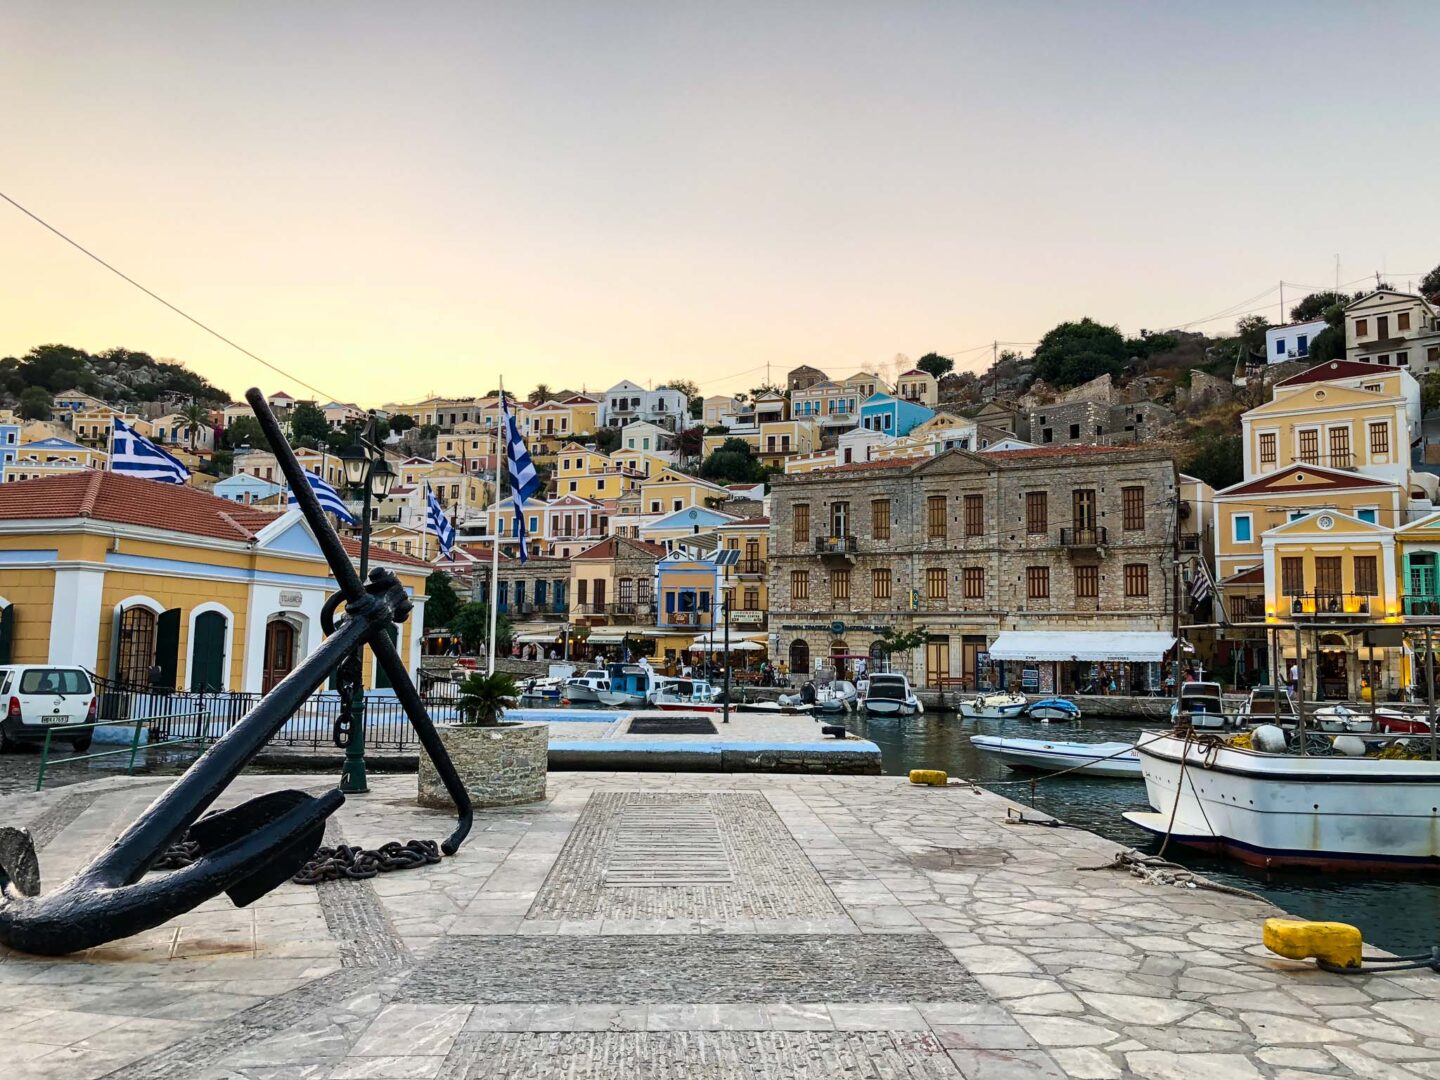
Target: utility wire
160, 299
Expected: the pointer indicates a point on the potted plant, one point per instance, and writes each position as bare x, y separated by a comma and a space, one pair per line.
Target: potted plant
500, 762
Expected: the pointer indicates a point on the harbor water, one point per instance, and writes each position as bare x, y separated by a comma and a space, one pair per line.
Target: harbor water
1401, 914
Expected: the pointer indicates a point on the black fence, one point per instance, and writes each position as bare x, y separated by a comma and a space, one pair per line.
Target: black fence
204, 716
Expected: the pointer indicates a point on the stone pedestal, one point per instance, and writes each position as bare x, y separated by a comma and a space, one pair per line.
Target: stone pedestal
499, 766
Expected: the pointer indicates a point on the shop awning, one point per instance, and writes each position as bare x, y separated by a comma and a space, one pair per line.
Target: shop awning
1125, 646
719, 647
539, 638
606, 637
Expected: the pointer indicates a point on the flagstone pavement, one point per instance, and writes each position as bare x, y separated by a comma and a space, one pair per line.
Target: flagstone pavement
650, 925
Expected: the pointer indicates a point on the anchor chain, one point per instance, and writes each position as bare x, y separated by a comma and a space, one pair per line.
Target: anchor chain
329, 863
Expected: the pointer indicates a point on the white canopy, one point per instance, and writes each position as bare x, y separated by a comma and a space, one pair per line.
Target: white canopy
539, 638
719, 646
607, 637
1116, 645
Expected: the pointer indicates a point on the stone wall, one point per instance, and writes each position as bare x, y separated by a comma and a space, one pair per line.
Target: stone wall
500, 766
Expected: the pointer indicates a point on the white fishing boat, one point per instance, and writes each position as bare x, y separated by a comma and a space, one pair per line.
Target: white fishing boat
999, 705
686, 694
837, 696
1283, 809
1201, 704
1109, 759
1268, 705
889, 694
585, 689
631, 686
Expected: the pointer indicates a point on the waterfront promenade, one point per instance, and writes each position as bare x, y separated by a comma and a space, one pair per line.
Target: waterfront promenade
697, 925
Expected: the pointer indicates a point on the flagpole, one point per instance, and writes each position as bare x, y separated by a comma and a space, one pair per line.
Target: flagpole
495, 539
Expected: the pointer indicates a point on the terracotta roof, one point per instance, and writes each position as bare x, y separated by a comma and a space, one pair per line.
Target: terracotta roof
1336, 369
1254, 576
126, 500
608, 548
750, 521
1328, 479
1055, 451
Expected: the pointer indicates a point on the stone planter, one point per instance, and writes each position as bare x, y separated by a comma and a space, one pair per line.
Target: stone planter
499, 766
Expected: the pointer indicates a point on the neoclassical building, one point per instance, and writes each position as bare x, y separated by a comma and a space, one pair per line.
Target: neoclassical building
128, 577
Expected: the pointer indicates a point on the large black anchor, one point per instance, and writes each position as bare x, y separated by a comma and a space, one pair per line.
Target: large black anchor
249, 849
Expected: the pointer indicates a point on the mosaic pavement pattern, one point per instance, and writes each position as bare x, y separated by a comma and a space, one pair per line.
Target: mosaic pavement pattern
954, 946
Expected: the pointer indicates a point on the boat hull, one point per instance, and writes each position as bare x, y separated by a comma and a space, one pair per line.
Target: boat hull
1003, 712
580, 695
1282, 810
1111, 760
626, 701
887, 707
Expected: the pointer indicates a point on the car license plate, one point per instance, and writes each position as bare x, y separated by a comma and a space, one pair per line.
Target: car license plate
57, 718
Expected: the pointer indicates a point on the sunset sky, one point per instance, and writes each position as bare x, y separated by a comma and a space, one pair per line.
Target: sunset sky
393, 199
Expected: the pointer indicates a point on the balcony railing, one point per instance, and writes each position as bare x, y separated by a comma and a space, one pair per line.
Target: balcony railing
1082, 537
1422, 606
836, 545
1324, 603
750, 566
685, 618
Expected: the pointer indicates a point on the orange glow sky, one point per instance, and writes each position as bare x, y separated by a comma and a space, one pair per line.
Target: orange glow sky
392, 199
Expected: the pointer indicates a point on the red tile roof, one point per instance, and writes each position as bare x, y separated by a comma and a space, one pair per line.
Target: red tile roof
125, 500
608, 548
1336, 369
762, 520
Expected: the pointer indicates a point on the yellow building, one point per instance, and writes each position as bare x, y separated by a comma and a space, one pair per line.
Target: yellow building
94, 426
473, 447
669, 490
918, 386
746, 585
773, 442
121, 576
52, 457
589, 474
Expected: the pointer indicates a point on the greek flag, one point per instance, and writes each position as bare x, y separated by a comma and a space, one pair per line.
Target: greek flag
439, 524
523, 480
329, 498
136, 455
1201, 584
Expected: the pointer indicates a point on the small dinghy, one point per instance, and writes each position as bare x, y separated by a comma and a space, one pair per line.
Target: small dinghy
1001, 705
1052, 710
1110, 759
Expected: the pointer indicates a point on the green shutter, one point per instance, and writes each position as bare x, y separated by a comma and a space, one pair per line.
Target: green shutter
382, 680
167, 647
207, 652
7, 633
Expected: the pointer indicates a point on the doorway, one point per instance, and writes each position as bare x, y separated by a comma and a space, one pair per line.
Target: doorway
207, 652
280, 640
937, 661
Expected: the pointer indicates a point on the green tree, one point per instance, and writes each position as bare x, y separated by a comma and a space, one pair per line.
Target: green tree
401, 423
691, 441
1251, 332
1076, 352
607, 440
246, 431
1319, 305
540, 394
57, 368
733, 463
1217, 457
1430, 286
429, 431
934, 364
471, 624
484, 698
1430, 392
768, 388
441, 601
197, 418
35, 403
308, 426
1327, 345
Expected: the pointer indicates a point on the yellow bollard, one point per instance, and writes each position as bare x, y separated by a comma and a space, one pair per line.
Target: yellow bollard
933, 777
1335, 943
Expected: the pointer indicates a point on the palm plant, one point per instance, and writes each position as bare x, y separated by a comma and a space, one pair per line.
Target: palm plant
540, 394
196, 417
484, 698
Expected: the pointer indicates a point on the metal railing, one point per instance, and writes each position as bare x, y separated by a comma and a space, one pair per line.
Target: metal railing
750, 566
1326, 602
836, 545
1421, 606
1088, 537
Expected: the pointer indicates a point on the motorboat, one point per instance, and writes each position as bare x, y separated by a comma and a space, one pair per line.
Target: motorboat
1110, 759
549, 688
1201, 705
1268, 705
1281, 808
1052, 710
999, 705
631, 686
889, 694
584, 689
773, 707
837, 696
1334, 718
686, 694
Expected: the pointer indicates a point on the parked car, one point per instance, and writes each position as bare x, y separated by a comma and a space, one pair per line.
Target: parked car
38, 696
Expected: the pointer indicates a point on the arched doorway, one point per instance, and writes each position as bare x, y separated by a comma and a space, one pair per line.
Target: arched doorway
280, 639
135, 649
799, 657
838, 651
207, 651
877, 656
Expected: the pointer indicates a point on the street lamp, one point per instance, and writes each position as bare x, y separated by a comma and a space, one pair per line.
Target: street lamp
367, 471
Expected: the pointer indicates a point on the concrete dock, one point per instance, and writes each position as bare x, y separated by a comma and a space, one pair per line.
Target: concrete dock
655, 925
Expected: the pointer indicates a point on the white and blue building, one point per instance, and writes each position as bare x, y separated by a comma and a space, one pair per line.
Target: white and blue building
1292, 341
891, 415
246, 490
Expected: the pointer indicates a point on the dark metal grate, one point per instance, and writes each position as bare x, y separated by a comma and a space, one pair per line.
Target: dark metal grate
672, 725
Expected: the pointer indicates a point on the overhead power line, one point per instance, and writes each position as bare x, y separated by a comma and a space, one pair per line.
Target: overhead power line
160, 299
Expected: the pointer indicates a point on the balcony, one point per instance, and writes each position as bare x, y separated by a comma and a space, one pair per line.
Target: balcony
1324, 604
1249, 607
1082, 537
836, 545
1422, 606
751, 568
1189, 543
697, 619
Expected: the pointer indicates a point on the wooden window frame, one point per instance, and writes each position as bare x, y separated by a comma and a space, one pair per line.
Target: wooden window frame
800, 584
974, 515
935, 517
880, 519
935, 583
1037, 513
880, 583
972, 580
1132, 507
1037, 583
1087, 583
1137, 580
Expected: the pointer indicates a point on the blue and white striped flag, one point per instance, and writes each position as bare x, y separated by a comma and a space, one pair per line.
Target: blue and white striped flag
328, 497
439, 524
523, 479
135, 455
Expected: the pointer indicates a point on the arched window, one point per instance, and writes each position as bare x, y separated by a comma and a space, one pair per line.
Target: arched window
877, 656
799, 657
136, 650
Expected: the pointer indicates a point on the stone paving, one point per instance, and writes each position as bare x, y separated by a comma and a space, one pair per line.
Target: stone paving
917, 935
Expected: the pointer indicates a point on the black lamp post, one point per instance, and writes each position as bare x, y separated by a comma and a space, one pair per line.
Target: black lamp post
367, 471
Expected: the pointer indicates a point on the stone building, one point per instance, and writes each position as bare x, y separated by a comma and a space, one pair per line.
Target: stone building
1058, 562
1095, 423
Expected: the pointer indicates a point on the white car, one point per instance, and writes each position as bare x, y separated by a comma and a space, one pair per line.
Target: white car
38, 696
